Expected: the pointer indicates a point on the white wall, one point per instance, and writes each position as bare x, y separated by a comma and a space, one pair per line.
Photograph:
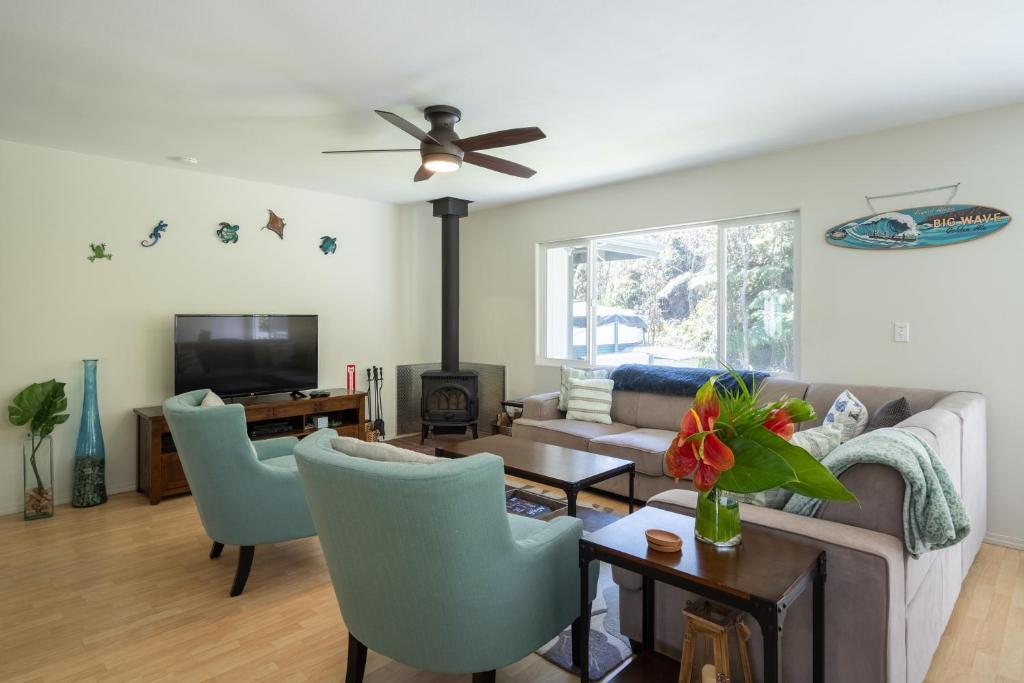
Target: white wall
57, 308
963, 302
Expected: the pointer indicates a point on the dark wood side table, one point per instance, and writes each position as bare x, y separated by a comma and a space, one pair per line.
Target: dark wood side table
761, 576
160, 473
562, 468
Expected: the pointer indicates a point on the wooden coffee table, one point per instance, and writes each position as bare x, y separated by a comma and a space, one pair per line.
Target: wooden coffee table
563, 468
761, 576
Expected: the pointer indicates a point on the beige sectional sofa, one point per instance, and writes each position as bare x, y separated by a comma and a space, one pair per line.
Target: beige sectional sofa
885, 610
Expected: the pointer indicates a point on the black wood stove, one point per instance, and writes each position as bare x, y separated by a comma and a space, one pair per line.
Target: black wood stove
450, 402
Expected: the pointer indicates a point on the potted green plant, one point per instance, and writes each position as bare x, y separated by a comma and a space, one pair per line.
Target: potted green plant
41, 406
731, 443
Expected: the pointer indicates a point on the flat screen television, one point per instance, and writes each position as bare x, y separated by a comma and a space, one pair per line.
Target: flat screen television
245, 355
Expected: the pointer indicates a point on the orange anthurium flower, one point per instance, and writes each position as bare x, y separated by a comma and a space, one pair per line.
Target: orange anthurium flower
781, 423
705, 457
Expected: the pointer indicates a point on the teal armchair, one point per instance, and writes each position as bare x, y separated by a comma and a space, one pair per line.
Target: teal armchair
247, 493
428, 567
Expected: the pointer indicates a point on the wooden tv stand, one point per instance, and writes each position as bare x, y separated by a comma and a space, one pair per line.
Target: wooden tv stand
268, 417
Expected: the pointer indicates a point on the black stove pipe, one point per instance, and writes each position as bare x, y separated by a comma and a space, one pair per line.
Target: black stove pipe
450, 210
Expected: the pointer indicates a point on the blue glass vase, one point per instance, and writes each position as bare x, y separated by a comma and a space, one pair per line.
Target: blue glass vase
90, 485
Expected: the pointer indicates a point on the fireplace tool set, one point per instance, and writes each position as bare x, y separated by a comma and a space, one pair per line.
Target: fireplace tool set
375, 425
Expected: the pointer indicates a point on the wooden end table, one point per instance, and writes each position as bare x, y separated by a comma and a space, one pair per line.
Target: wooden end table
762, 576
562, 468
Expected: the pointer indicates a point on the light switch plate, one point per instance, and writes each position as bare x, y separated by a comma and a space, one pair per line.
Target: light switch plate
901, 332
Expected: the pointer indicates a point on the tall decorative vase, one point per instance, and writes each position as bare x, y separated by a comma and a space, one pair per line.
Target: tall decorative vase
90, 486
38, 454
718, 519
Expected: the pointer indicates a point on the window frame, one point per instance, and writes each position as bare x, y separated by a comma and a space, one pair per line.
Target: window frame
540, 352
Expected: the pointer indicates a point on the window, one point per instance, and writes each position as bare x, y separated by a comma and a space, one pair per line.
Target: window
684, 296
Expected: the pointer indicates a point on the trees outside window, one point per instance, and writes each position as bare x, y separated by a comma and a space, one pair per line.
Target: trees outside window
683, 296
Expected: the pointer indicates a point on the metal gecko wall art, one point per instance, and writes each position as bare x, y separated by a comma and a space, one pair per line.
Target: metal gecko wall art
155, 234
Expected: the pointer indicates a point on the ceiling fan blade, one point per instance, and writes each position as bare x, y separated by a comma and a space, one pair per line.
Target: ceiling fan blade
408, 127
501, 138
499, 165
422, 174
363, 151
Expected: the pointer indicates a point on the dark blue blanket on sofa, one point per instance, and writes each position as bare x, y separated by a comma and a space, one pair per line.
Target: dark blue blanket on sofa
662, 379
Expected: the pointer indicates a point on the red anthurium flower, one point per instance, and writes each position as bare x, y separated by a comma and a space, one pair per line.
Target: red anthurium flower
781, 423
705, 457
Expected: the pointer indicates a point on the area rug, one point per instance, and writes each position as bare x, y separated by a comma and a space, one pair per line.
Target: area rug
608, 647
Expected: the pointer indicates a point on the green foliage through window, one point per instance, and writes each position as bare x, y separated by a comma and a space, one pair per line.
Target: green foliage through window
656, 296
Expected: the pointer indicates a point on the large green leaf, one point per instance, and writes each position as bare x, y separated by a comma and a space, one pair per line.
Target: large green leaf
757, 468
41, 406
812, 478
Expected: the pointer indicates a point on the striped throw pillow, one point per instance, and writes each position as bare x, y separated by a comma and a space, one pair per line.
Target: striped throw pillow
590, 400
576, 373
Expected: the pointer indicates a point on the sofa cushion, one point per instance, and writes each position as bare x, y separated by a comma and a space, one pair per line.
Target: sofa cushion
565, 433
777, 388
645, 447
821, 397
655, 411
624, 405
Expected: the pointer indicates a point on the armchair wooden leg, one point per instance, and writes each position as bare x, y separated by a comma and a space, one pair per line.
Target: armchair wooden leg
485, 676
245, 554
216, 550
356, 661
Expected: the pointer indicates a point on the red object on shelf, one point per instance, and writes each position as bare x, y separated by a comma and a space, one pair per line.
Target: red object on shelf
350, 377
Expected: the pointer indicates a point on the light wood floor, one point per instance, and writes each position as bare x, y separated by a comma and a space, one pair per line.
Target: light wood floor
125, 592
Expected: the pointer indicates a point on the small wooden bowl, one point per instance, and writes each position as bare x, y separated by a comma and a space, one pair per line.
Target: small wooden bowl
663, 541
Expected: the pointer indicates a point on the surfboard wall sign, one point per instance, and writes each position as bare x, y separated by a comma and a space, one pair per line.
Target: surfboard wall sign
922, 226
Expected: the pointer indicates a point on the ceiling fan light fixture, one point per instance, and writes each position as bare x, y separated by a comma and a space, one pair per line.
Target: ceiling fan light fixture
439, 162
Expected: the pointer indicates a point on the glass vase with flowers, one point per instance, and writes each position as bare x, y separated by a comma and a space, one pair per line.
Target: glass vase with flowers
731, 442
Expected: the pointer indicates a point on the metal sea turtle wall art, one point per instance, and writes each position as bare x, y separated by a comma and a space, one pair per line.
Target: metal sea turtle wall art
227, 233
328, 245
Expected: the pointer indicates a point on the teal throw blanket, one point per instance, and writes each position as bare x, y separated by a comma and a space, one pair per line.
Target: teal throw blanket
933, 513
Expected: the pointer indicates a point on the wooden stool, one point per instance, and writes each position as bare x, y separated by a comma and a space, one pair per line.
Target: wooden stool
714, 622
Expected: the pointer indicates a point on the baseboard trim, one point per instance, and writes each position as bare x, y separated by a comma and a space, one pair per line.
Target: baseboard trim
111, 490
1005, 541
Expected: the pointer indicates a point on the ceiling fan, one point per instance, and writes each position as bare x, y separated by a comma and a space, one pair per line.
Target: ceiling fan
442, 151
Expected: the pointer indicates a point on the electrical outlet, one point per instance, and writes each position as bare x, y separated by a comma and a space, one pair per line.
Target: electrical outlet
901, 332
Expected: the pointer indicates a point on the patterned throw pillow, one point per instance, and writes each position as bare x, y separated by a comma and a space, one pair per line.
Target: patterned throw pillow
890, 414
590, 400
850, 414
773, 498
818, 441
576, 373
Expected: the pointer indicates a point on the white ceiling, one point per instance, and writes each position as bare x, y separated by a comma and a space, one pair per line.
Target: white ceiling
257, 89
